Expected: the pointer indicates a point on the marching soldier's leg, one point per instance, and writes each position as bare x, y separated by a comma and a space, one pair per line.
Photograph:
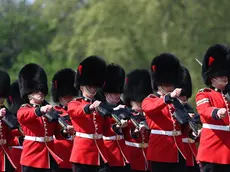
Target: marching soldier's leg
212, 167
9, 167
84, 168
31, 169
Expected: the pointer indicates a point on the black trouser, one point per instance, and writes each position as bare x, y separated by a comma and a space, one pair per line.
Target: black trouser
32, 169
212, 167
85, 168
169, 167
53, 167
64, 170
194, 168
104, 167
120, 169
9, 167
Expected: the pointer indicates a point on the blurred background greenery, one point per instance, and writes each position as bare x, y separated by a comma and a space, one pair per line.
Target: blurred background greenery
60, 33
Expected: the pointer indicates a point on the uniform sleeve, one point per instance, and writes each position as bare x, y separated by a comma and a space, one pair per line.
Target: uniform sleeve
77, 109
204, 107
26, 115
152, 104
13, 138
59, 134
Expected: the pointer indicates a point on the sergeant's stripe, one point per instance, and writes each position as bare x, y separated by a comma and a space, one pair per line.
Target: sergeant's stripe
205, 100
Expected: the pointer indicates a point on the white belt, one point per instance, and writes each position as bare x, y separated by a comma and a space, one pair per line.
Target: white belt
217, 127
17, 147
116, 137
39, 139
168, 133
187, 140
89, 136
137, 145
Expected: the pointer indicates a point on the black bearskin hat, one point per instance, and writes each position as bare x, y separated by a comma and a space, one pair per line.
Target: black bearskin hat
114, 80
91, 71
137, 86
186, 84
4, 84
14, 100
32, 78
215, 62
166, 69
63, 84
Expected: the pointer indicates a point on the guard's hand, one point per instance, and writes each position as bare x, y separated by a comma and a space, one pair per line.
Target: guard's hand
191, 115
70, 129
119, 107
46, 108
221, 113
142, 128
176, 93
124, 123
94, 105
2, 112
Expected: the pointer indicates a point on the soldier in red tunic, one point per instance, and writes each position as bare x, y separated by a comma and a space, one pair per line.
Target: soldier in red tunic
189, 138
7, 136
89, 151
213, 107
137, 87
165, 149
38, 146
14, 102
113, 132
63, 91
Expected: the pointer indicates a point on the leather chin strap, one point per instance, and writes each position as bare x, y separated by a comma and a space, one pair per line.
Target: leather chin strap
162, 90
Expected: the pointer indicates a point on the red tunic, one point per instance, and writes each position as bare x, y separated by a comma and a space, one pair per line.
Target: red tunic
115, 144
37, 153
63, 148
162, 148
190, 150
6, 139
16, 152
88, 144
137, 148
214, 143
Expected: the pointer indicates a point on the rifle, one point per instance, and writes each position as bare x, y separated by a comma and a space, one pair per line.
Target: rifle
182, 115
54, 116
11, 121
141, 118
105, 109
123, 113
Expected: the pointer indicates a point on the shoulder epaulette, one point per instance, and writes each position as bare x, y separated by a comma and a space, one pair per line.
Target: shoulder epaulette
152, 96
78, 98
205, 90
25, 105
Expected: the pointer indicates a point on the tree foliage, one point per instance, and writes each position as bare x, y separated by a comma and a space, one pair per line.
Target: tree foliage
58, 34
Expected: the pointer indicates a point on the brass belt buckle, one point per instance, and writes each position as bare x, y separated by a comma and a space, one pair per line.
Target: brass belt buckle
118, 137
95, 136
175, 133
142, 145
46, 139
